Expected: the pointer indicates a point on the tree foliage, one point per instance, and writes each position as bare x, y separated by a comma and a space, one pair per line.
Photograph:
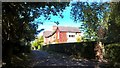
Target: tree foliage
113, 34
92, 15
79, 39
18, 29
37, 43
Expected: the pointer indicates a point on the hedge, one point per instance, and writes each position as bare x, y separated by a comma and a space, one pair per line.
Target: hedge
112, 53
83, 49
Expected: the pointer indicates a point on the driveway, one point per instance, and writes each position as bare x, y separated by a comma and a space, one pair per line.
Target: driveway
42, 58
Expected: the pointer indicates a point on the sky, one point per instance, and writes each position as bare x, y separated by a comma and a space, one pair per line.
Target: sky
65, 21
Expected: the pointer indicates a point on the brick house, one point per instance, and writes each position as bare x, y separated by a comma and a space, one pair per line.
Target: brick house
61, 34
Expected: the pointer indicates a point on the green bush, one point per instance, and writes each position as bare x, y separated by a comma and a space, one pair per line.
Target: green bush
112, 53
82, 49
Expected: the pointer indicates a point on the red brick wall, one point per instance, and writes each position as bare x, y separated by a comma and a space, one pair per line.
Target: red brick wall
63, 37
57, 31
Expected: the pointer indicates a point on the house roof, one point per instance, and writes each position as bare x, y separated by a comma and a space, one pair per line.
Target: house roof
47, 33
68, 29
62, 29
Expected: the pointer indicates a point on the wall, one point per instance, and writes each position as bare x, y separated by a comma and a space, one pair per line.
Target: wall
63, 37
71, 39
57, 36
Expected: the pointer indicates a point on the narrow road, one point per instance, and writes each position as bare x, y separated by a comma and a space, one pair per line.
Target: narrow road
41, 58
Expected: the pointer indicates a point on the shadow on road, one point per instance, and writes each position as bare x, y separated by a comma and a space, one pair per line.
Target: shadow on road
41, 58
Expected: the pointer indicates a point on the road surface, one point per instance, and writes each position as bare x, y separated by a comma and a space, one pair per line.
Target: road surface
42, 58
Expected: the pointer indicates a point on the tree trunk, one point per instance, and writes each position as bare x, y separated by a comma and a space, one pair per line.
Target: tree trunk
99, 51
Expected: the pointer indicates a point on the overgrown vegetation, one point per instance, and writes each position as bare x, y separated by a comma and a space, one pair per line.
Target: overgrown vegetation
79, 38
37, 43
18, 28
92, 16
112, 54
82, 49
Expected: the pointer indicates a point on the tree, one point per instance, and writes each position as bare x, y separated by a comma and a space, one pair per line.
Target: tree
17, 32
91, 15
37, 43
18, 29
113, 34
79, 38
34, 45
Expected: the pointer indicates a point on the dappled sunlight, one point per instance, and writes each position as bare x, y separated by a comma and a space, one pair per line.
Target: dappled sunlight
82, 34
42, 58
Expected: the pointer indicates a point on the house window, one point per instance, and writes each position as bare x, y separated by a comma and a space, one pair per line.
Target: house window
71, 35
